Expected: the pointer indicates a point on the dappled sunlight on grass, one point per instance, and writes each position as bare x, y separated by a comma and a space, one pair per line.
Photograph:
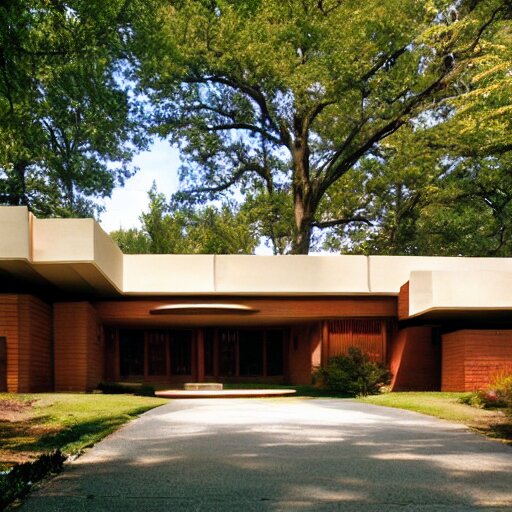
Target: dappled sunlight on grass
493, 423
69, 422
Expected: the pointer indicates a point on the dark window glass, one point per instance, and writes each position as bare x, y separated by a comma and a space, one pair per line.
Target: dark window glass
131, 350
157, 342
209, 352
274, 352
251, 352
181, 352
228, 340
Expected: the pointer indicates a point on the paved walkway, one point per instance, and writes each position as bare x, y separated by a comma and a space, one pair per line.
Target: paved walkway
284, 454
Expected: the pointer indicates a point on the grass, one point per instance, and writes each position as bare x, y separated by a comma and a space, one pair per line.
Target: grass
31, 424
493, 423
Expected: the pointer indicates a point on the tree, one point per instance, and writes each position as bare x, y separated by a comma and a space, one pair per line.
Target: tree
270, 97
435, 205
439, 188
175, 229
67, 125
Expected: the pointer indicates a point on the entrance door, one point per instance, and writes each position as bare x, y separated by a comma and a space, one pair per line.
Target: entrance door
3, 363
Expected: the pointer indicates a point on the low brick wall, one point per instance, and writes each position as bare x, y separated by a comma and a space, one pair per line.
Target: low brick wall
471, 357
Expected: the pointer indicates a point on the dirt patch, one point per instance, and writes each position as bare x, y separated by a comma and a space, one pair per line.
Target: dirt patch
15, 410
497, 425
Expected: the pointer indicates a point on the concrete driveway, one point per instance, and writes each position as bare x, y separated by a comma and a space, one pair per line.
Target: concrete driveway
284, 454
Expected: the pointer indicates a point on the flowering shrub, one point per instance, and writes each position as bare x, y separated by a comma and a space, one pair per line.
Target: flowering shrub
497, 394
500, 388
353, 374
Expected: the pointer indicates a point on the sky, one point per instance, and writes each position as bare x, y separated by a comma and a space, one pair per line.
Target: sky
160, 164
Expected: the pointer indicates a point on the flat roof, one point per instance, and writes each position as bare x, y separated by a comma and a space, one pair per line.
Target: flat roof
77, 256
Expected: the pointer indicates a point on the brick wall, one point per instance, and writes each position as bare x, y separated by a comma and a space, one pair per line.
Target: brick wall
471, 357
39, 318
414, 360
403, 301
78, 347
9, 321
25, 321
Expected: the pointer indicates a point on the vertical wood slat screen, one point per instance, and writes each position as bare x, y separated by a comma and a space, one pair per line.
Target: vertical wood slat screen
367, 335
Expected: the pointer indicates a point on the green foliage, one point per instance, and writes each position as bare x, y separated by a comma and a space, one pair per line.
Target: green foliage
119, 388
17, 482
497, 394
132, 241
353, 374
273, 99
428, 205
67, 124
179, 229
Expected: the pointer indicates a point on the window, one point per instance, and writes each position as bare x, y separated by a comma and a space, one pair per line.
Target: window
131, 351
228, 341
209, 352
157, 344
181, 352
274, 352
251, 352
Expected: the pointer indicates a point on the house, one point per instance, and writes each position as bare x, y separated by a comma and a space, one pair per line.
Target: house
75, 311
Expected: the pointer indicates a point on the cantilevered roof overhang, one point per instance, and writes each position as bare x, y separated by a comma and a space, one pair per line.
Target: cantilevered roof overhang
75, 256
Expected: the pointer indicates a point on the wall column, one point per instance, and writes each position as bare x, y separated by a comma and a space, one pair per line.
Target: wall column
78, 347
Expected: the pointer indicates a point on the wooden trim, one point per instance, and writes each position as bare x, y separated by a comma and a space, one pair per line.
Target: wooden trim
270, 310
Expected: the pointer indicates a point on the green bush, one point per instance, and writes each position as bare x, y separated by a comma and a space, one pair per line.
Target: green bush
354, 374
121, 388
18, 481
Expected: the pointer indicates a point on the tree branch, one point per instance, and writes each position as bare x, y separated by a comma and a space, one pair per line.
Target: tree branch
389, 59
253, 92
243, 169
340, 222
244, 126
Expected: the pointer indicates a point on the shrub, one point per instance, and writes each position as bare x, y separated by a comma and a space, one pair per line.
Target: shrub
17, 482
497, 394
120, 388
353, 374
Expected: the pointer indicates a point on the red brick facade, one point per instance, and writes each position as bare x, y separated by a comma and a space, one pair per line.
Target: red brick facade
25, 322
471, 357
78, 346
414, 359
62, 346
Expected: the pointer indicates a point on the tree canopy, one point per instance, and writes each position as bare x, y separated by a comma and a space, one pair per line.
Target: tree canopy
175, 229
68, 129
297, 99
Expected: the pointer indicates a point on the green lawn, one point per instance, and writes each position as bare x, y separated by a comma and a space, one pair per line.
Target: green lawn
31, 424
493, 423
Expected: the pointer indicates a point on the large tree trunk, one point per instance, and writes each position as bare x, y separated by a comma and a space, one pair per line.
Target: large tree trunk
304, 204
